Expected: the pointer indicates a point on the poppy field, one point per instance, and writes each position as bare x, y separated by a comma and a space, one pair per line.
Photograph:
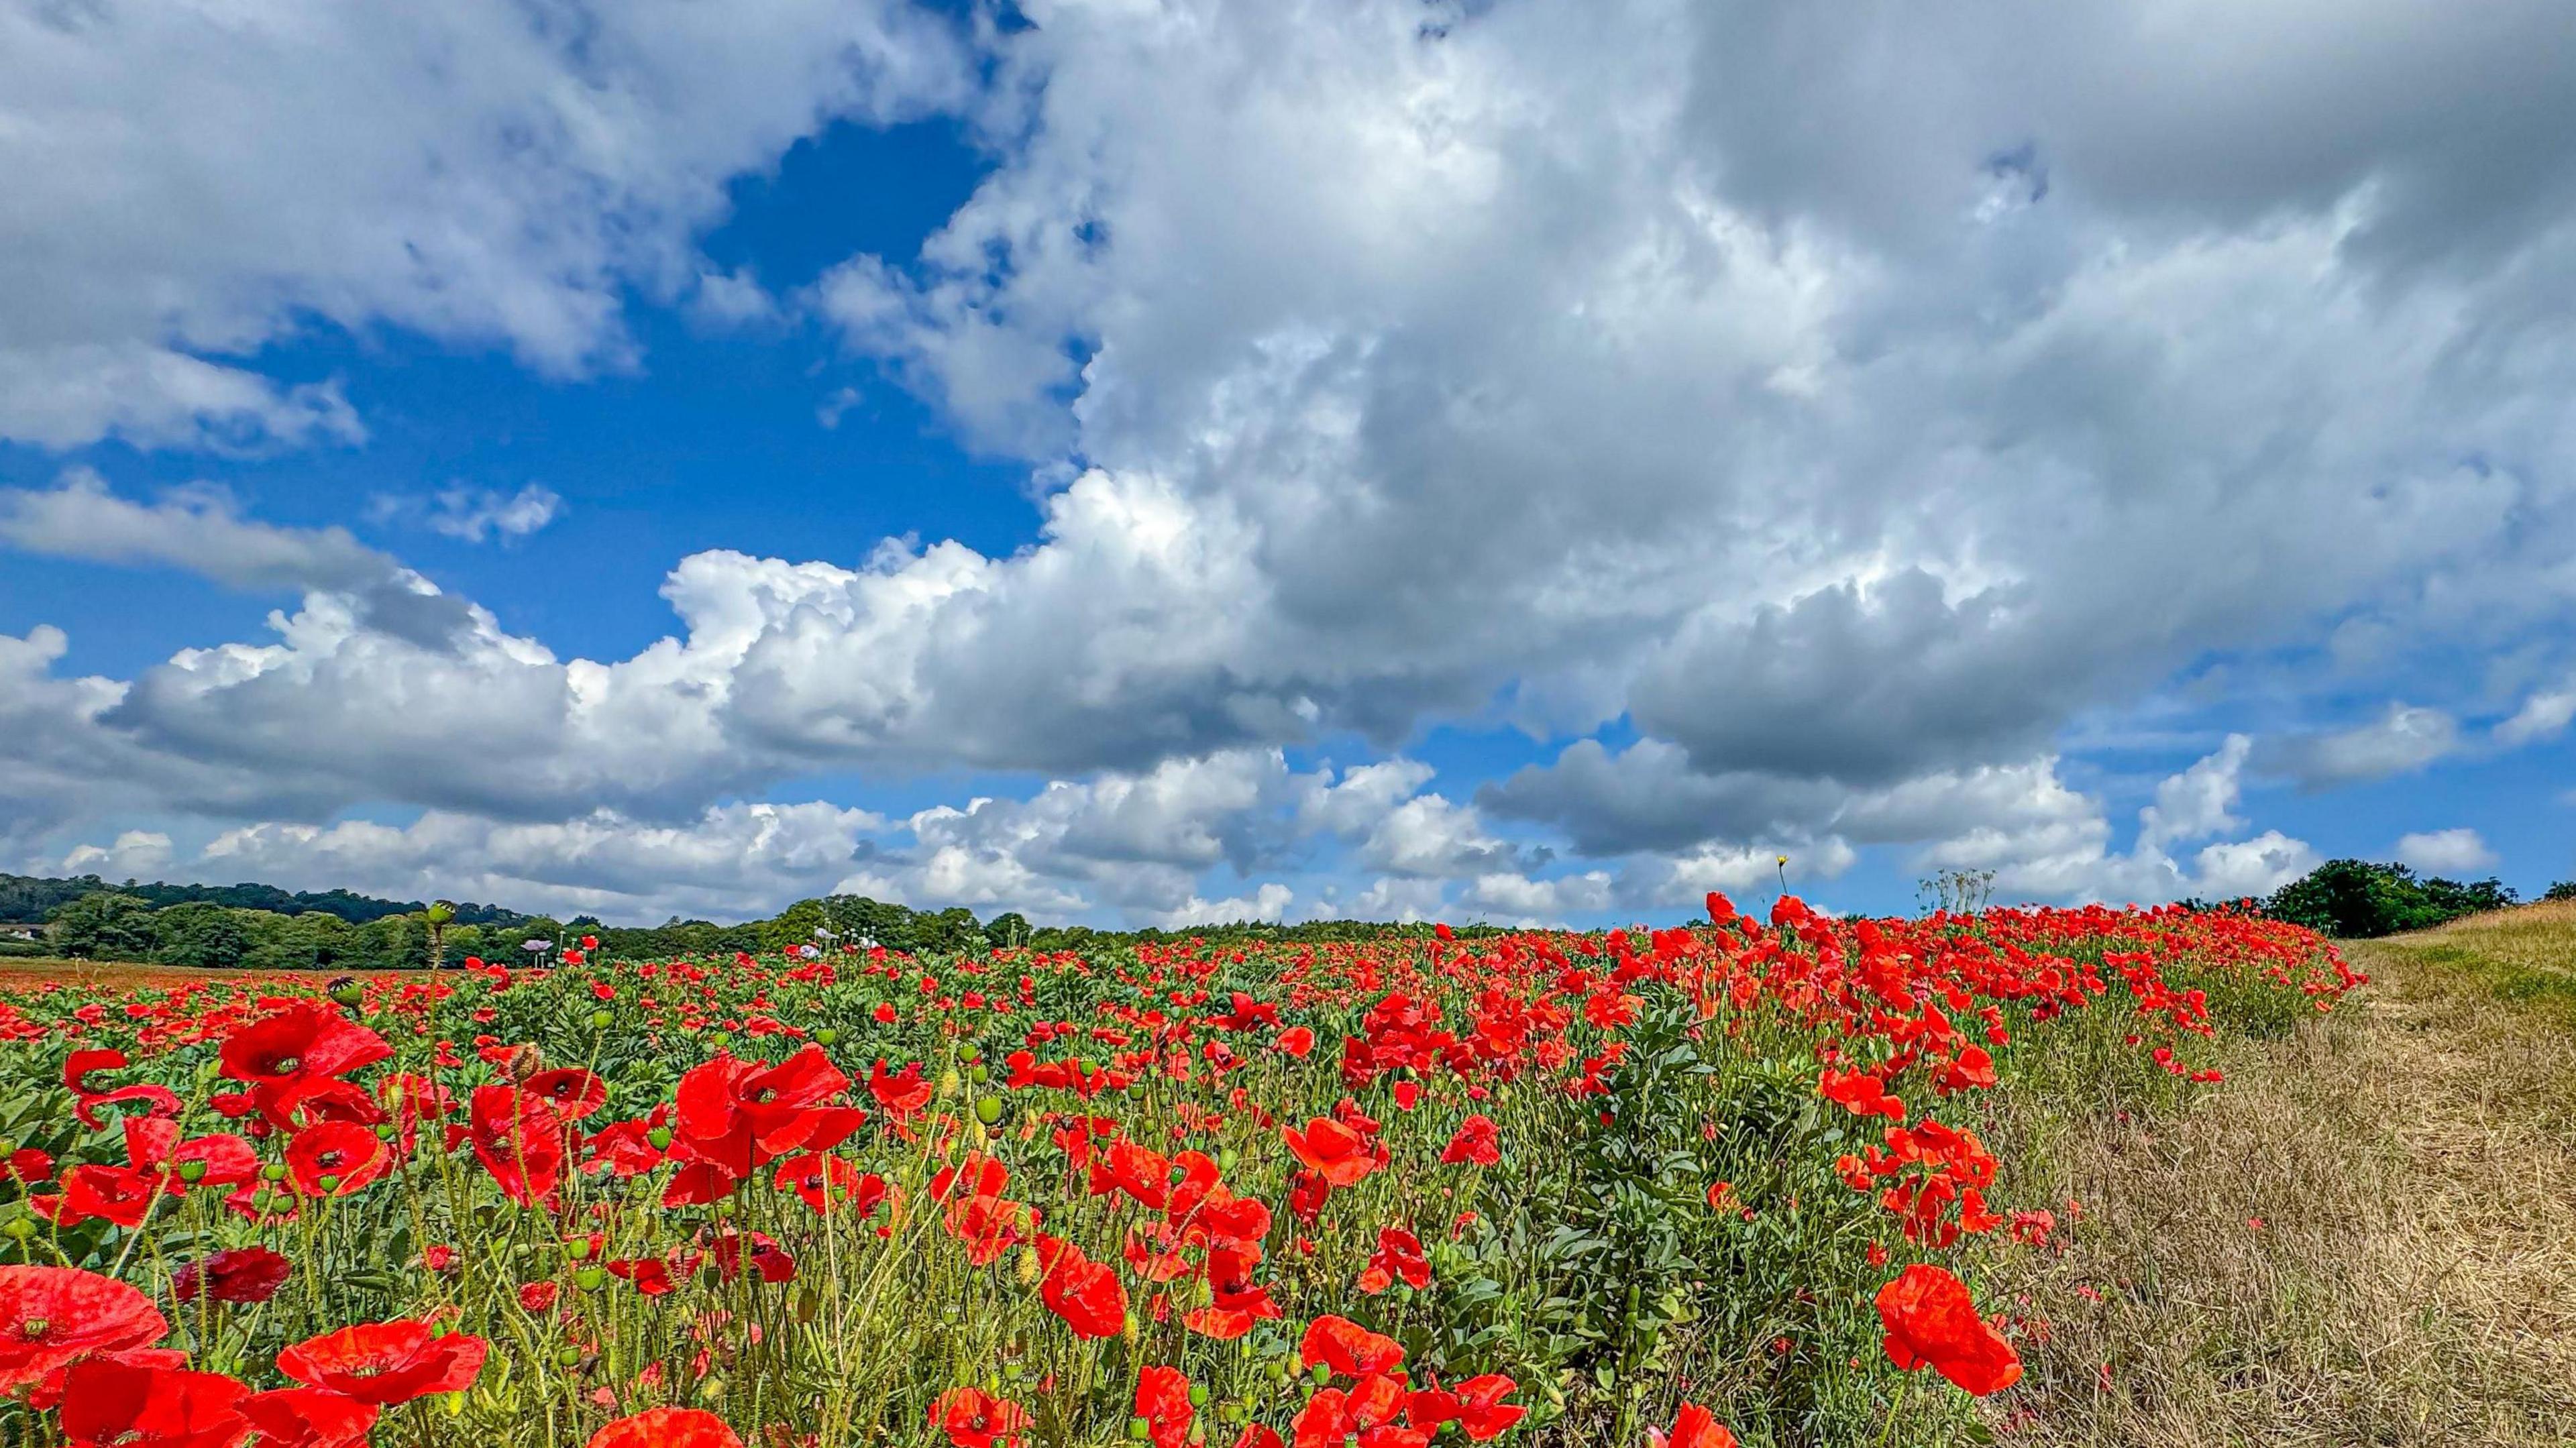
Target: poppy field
1687, 1187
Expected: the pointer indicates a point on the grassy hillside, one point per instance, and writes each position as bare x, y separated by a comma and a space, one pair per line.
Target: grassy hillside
2525, 956
2365, 1236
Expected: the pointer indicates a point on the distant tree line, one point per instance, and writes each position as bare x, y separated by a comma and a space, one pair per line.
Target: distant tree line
28, 899
2355, 899
261, 927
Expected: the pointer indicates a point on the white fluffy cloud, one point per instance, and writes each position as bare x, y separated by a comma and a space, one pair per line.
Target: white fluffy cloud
2458, 851
474, 515
2545, 715
2400, 741
192, 180
729, 861
134, 855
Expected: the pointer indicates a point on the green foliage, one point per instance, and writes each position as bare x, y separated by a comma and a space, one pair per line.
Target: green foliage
200, 934
106, 926
2563, 890
1007, 929
2355, 899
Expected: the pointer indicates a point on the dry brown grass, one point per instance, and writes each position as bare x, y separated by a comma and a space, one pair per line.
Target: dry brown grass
28, 972
2412, 1159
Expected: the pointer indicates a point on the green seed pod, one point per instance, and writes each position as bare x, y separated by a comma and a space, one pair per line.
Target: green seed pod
192, 1172
590, 1279
568, 1356
599, 1020
660, 1136
828, 1035
989, 1110
1198, 1395
274, 1171
578, 1249
1139, 1429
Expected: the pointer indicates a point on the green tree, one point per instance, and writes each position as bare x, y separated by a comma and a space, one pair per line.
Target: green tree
104, 926
1007, 929
2355, 899
795, 925
202, 935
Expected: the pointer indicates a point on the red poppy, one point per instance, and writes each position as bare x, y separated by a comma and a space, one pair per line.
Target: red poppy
1163, 1401
1325, 1421
1398, 1258
518, 1139
308, 1418
1475, 1405
973, 1418
1259, 1435
903, 1094
667, 1428
573, 1092
1089, 1297
160, 1100
735, 1116
1334, 1152
1348, 1348
241, 1274
336, 1158
1234, 1302
1930, 1319
294, 1058
138, 1406
1696, 1427
52, 1315
825, 1182
386, 1362
1478, 1140
1860, 1093
117, 1194
1297, 1041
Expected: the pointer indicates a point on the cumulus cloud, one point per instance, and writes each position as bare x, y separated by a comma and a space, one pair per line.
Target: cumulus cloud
474, 515
2400, 741
1140, 845
2545, 715
134, 855
2066, 854
2459, 851
197, 529
730, 861
478, 171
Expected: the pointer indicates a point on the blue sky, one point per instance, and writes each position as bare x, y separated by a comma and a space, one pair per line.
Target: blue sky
1148, 463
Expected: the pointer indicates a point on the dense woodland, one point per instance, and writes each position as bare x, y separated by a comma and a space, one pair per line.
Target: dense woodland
263, 927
